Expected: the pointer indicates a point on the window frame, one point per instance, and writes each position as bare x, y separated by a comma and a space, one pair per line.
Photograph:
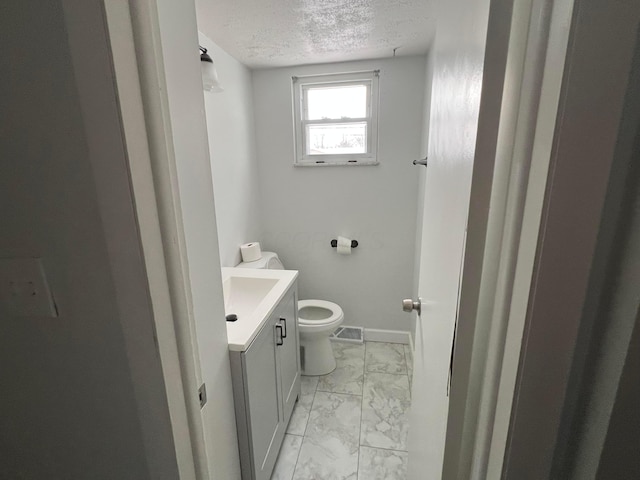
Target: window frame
301, 85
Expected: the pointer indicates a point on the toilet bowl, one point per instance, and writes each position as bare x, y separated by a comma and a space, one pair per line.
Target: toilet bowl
317, 319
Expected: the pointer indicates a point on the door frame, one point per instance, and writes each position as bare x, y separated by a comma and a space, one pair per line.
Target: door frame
159, 83
521, 94
137, 49
467, 448
576, 236
101, 44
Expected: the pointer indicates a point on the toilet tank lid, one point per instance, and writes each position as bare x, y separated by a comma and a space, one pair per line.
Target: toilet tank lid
268, 260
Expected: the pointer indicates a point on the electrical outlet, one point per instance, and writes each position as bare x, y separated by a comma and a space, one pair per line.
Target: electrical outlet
24, 291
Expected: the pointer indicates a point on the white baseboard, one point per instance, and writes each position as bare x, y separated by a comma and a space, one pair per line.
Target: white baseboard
389, 336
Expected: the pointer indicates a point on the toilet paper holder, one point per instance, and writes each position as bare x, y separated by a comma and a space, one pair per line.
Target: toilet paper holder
334, 243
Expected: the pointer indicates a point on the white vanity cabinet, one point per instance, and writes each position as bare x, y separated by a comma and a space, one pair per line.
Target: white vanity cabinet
266, 384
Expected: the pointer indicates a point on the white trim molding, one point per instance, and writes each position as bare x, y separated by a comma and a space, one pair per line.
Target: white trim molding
301, 87
388, 336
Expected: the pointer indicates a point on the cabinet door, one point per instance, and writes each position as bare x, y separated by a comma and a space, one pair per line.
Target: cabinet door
263, 398
289, 353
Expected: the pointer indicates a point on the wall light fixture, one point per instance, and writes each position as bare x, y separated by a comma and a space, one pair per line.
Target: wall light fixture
210, 79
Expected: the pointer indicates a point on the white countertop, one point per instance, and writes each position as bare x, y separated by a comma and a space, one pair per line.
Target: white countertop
241, 332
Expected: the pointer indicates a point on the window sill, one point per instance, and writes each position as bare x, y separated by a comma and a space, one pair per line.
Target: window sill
359, 163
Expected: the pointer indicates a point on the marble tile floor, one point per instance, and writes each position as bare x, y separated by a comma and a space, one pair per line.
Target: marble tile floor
353, 423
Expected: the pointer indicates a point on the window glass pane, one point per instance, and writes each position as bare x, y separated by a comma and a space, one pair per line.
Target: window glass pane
337, 102
338, 138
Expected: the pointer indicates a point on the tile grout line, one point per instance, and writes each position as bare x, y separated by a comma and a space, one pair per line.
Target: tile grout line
406, 364
311, 408
389, 373
364, 373
295, 467
386, 449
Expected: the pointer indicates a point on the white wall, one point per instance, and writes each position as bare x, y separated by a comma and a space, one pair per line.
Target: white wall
185, 123
69, 398
306, 207
233, 155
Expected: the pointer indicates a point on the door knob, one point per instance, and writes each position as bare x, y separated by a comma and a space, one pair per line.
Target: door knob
408, 305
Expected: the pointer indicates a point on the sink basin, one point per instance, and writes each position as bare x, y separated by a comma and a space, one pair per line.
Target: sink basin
242, 295
253, 296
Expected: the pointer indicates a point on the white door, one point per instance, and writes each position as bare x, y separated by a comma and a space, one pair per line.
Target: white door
446, 203
457, 58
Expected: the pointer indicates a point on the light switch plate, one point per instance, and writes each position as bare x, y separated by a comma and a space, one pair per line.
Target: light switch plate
24, 291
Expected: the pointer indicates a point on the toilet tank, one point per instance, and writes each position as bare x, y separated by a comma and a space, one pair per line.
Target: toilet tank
269, 261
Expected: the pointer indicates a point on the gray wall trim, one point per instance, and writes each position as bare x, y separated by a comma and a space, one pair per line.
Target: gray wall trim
586, 138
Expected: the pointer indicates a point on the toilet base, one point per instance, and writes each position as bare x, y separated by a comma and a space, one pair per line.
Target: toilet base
316, 355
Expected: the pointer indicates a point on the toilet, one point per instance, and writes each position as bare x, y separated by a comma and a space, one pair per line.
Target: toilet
317, 319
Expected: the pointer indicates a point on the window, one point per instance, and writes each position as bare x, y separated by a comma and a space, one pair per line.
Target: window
336, 119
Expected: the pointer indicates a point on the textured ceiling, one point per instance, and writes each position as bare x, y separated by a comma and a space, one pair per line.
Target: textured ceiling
273, 33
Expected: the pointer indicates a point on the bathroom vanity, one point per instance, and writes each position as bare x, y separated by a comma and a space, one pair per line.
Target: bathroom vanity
265, 361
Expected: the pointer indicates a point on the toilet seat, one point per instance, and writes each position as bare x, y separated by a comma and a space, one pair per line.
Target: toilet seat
336, 313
